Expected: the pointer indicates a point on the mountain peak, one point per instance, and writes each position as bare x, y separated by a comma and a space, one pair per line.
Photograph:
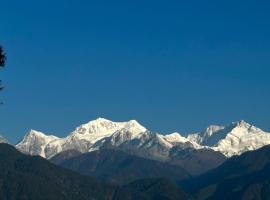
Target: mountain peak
242, 123
175, 137
210, 130
101, 119
34, 142
33, 132
134, 126
2, 139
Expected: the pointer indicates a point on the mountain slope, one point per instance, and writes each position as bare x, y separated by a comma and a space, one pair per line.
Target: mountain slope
146, 144
119, 167
243, 177
34, 178
155, 189
196, 161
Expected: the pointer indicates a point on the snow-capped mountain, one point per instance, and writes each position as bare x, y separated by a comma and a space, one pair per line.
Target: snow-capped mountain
87, 135
2, 139
242, 137
233, 139
81, 139
34, 143
101, 128
131, 136
176, 139
145, 144
209, 136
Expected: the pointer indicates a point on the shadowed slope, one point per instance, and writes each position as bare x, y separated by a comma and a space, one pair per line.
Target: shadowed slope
119, 167
243, 177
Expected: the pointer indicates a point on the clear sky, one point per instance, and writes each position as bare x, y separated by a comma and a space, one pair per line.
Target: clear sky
172, 65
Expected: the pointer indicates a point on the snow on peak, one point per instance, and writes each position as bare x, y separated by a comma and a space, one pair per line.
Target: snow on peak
175, 137
134, 127
129, 131
101, 128
97, 126
240, 137
33, 134
2, 139
34, 142
230, 140
86, 135
242, 123
209, 131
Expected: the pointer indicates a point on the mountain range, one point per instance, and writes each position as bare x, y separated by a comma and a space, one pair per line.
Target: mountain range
123, 160
196, 153
233, 139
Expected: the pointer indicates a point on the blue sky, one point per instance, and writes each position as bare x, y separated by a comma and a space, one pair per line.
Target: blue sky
172, 65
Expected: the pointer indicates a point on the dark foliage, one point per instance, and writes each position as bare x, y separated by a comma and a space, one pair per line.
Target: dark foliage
2, 62
119, 167
2, 57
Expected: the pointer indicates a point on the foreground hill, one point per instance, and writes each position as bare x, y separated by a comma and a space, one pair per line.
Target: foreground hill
244, 177
147, 189
34, 178
118, 167
26, 177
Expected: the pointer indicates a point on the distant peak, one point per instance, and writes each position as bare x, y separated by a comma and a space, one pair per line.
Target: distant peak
210, 130
133, 123
39, 134
175, 137
101, 119
2, 139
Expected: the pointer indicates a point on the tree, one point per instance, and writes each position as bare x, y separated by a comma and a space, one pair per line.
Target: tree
2, 57
2, 62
